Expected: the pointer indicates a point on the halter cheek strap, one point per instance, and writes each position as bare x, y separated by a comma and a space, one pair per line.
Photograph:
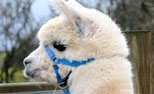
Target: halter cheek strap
62, 83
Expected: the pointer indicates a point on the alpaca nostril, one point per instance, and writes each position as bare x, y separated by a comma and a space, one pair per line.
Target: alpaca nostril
26, 62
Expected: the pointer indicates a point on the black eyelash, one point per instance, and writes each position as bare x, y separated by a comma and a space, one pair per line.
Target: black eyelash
59, 46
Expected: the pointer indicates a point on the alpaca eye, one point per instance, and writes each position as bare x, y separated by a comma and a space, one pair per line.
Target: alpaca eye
59, 46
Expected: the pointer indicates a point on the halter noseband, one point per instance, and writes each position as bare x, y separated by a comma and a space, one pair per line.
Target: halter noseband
62, 83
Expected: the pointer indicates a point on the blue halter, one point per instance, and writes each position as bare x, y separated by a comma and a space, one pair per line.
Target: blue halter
62, 83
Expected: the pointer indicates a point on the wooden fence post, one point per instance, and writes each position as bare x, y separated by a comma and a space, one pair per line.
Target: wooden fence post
140, 45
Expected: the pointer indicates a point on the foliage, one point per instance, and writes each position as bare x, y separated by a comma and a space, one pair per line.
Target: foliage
17, 78
133, 14
17, 33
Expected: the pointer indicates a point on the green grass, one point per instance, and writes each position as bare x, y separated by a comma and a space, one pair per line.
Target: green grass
18, 77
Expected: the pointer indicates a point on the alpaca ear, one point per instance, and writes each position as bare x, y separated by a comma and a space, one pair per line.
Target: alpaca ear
71, 9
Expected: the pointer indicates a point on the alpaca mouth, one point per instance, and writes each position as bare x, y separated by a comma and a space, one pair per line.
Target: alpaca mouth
34, 74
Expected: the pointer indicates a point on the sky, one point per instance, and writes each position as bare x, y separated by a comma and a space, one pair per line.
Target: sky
41, 9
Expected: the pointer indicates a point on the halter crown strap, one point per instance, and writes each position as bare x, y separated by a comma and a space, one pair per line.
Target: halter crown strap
62, 83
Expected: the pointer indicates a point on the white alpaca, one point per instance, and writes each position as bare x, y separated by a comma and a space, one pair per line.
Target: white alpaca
80, 34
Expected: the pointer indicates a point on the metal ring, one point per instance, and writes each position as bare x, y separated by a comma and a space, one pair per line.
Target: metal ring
55, 60
62, 87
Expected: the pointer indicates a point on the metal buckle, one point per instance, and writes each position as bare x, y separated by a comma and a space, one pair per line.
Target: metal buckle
62, 83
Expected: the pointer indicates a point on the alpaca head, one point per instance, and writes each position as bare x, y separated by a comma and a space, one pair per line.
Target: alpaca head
77, 34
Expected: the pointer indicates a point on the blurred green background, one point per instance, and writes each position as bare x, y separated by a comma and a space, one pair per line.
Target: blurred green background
21, 19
